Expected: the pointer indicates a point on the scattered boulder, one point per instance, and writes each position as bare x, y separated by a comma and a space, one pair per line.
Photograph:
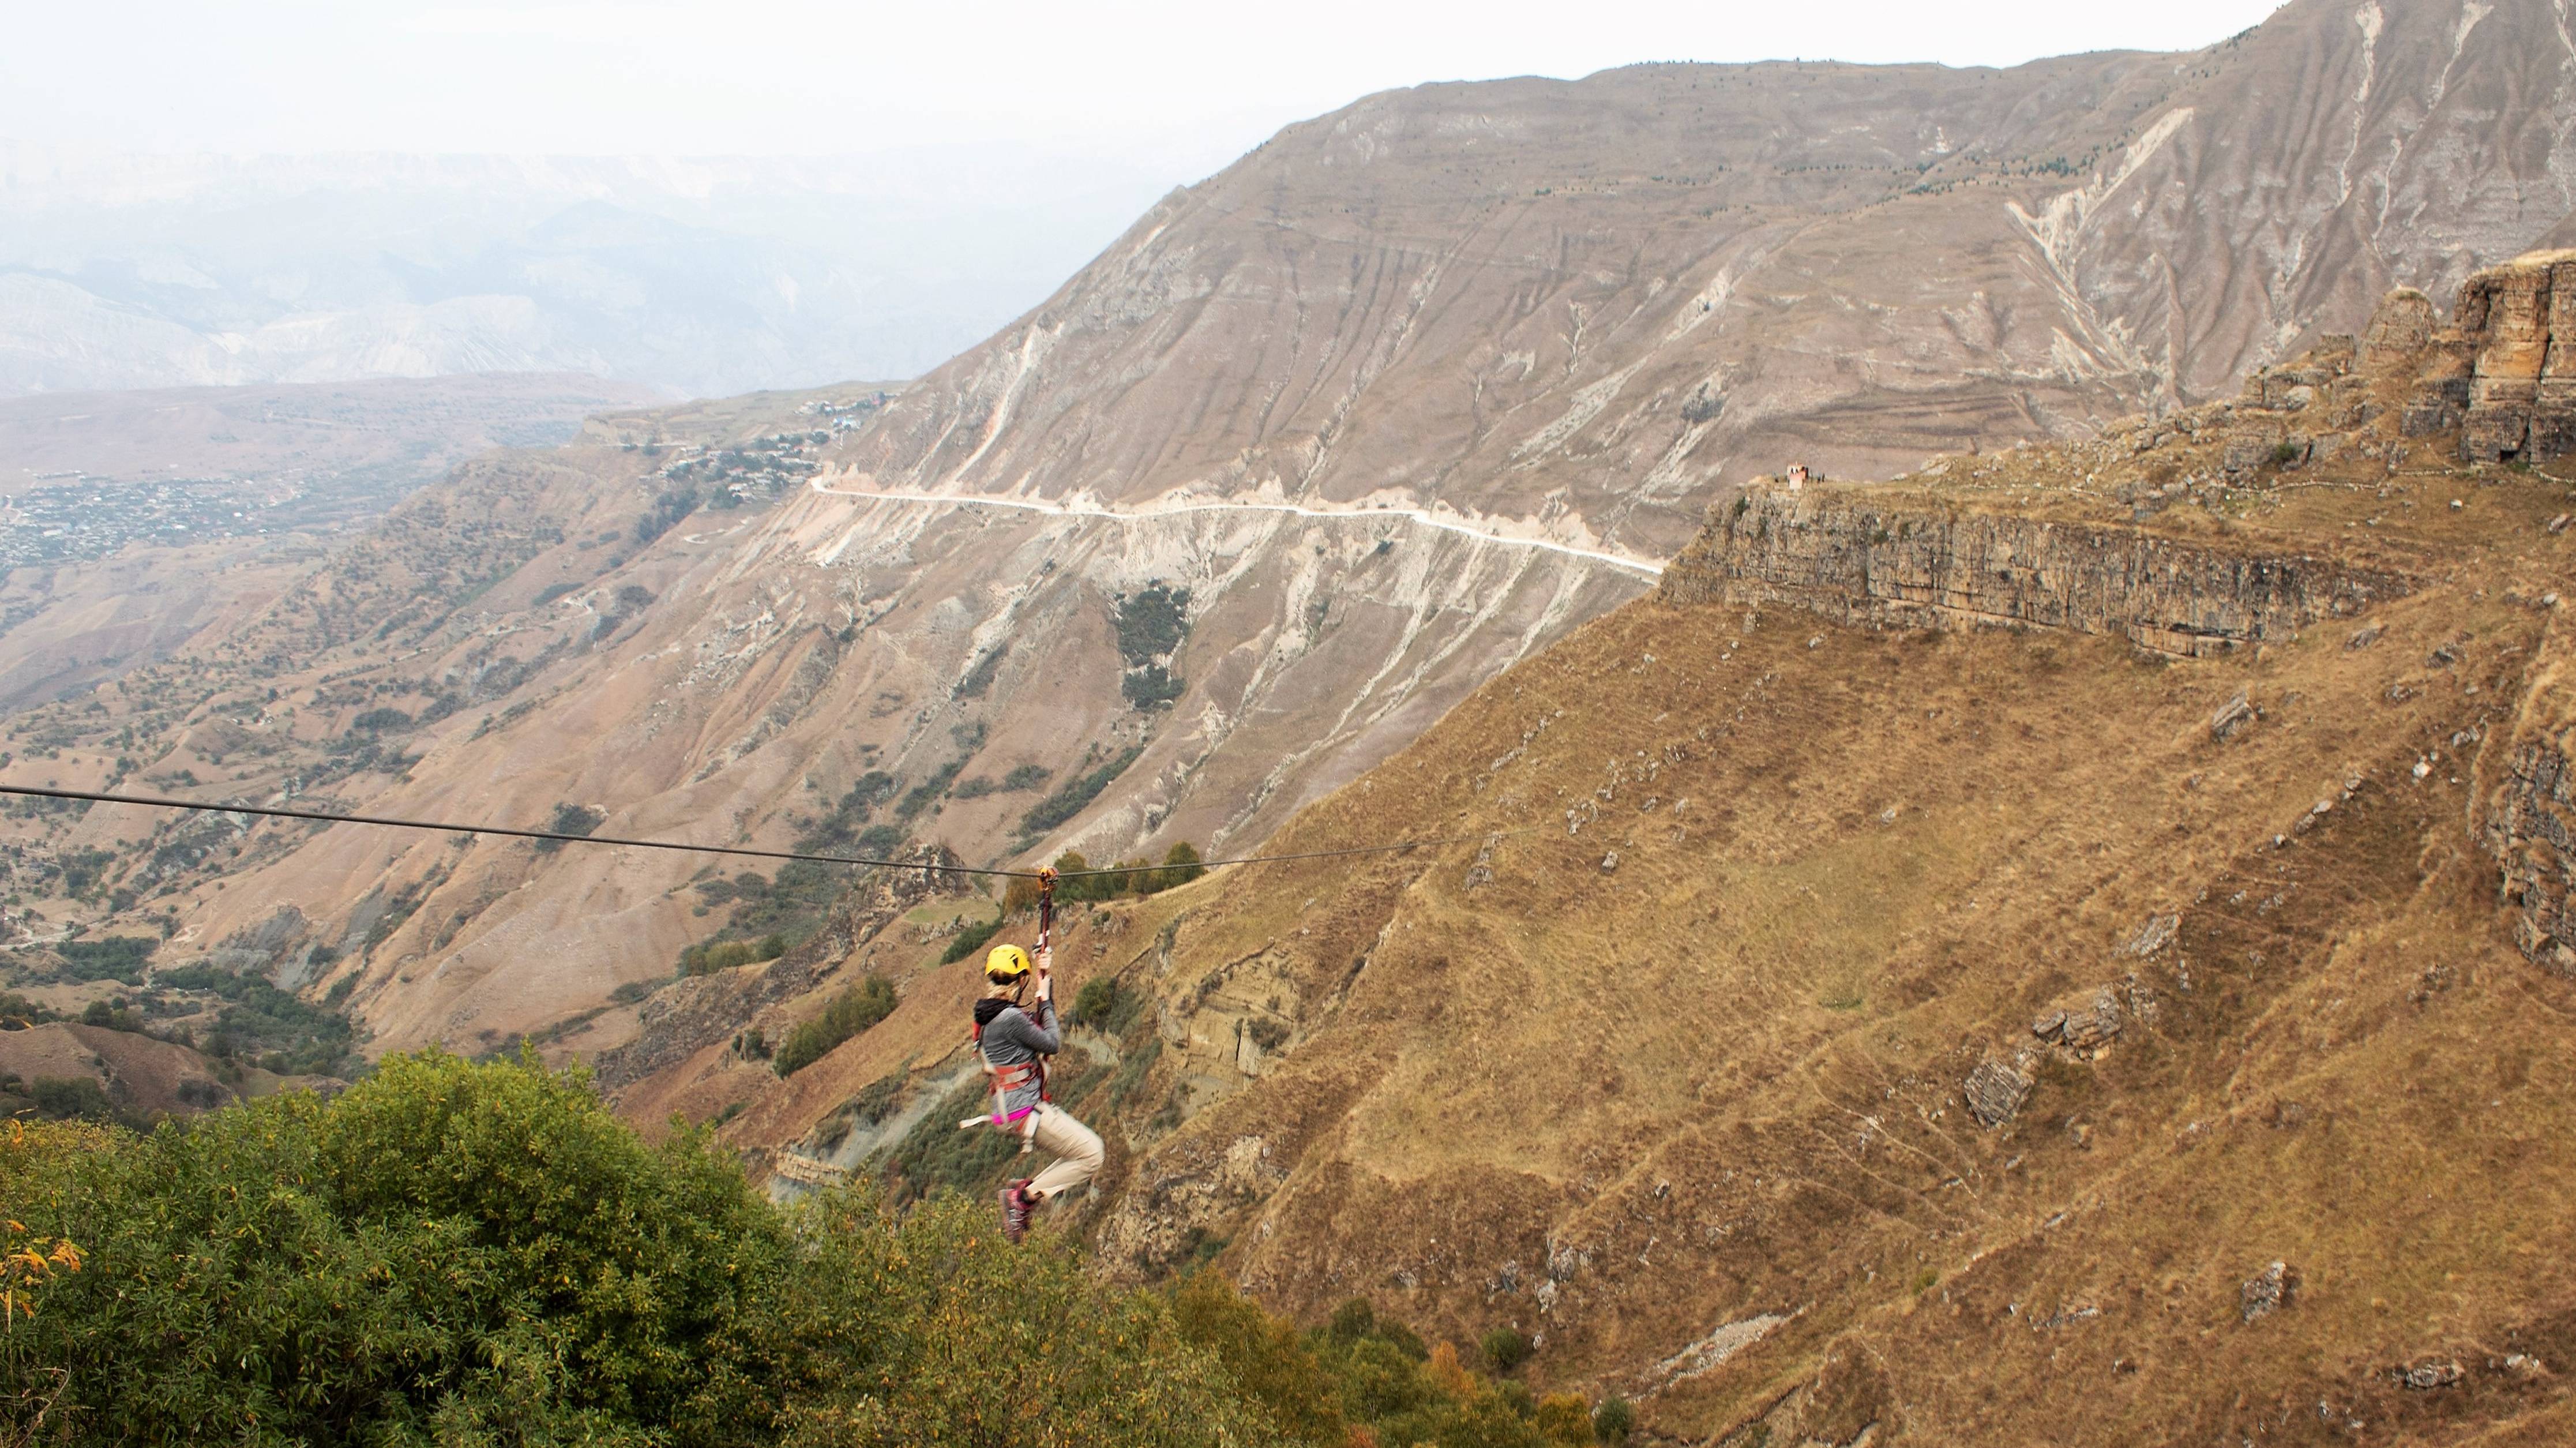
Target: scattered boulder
1996, 1091
2423, 1377
2155, 935
2269, 1290
2233, 715
2086, 1029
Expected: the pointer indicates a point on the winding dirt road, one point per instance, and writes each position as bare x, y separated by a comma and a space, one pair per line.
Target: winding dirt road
1482, 532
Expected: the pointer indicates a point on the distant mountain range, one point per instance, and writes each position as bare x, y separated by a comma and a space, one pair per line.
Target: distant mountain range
703, 276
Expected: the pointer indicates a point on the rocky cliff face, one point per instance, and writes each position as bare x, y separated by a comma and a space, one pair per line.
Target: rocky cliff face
1878, 561
2529, 819
2501, 372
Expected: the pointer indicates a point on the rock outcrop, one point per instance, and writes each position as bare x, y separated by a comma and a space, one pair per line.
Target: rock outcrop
2527, 828
1889, 558
2503, 372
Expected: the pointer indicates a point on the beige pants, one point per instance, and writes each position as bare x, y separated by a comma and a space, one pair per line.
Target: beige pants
1076, 1149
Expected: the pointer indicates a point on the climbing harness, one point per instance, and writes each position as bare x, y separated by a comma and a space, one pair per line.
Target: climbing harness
1006, 1079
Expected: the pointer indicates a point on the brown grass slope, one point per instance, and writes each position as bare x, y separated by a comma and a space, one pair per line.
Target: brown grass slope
1674, 1077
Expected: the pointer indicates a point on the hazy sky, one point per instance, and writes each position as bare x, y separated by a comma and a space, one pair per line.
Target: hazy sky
1182, 85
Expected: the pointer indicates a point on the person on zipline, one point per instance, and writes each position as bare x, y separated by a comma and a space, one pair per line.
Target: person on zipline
1014, 1040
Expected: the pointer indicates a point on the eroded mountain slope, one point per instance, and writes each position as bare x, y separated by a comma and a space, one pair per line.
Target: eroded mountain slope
1868, 1020
1516, 314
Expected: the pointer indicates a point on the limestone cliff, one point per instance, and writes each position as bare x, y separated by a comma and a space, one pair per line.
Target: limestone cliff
1864, 556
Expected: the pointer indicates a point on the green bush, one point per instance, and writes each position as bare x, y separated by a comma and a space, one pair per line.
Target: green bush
970, 940
571, 819
937, 1334
1152, 623
852, 1011
1506, 1348
1076, 793
72, 1098
1613, 1421
980, 678
1093, 1003
458, 1252
1180, 866
109, 957
446, 1252
277, 1030
709, 956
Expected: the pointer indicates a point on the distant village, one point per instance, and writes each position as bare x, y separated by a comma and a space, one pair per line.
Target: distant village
762, 468
74, 517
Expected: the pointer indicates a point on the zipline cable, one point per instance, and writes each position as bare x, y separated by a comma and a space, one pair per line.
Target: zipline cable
155, 801
159, 802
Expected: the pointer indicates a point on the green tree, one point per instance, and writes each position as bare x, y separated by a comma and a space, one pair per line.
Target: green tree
1180, 866
938, 1335
448, 1250
852, 1011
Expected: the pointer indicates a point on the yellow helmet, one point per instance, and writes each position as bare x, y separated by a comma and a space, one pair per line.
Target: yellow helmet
1007, 963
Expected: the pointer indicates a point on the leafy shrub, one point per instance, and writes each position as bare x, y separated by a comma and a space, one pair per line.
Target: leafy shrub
1093, 1003
1151, 624
482, 1253
1564, 1418
1152, 686
709, 956
381, 720
980, 678
109, 957
446, 1251
278, 1030
850, 1012
72, 1098
925, 1317
667, 511
1613, 1421
1180, 866
1506, 1348
1076, 793
115, 1016
970, 940
1266, 1358
571, 819
929, 792
17, 1012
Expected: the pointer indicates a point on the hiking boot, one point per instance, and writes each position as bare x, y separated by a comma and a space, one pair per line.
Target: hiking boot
1017, 1204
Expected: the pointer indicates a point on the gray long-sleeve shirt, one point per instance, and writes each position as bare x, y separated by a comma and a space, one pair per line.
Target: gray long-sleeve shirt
1011, 1038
